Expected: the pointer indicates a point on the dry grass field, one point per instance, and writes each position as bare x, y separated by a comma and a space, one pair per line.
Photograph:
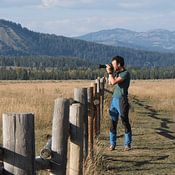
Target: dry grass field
152, 116
36, 97
160, 92
152, 112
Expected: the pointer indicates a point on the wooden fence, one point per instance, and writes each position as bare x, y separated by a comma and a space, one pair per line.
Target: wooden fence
75, 126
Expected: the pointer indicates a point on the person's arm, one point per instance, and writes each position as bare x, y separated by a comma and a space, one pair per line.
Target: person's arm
114, 80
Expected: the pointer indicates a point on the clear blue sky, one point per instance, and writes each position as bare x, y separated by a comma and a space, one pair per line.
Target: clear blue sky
77, 17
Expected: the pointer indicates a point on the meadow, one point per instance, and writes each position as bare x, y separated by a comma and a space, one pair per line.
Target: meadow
38, 97
152, 117
159, 92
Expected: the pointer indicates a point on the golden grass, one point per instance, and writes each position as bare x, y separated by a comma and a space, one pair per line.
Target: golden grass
152, 119
36, 97
160, 92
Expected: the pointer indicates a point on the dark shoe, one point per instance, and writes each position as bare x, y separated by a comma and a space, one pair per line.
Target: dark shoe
127, 147
111, 148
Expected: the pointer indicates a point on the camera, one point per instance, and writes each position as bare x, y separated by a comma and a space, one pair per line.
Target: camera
104, 66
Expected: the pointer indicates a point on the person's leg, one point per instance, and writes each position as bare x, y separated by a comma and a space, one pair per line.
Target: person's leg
124, 111
114, 120
113, 133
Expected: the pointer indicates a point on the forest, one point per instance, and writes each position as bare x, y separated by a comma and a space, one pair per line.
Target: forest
64, 68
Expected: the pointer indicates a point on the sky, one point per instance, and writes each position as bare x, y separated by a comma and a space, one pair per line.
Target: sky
78, 17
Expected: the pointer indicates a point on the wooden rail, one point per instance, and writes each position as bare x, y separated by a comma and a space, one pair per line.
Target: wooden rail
76, 123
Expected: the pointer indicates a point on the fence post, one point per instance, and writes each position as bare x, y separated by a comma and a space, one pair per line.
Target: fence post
90, 120
102, 95
98, 105
95, 109
76, 140
60, 132
80, 95
19, 143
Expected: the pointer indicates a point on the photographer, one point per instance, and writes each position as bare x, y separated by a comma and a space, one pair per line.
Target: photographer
119, 77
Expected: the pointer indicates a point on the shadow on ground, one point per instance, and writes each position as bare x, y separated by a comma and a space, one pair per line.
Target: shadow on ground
153, 145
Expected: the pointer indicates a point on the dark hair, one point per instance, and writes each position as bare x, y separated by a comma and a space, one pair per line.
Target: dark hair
119, 60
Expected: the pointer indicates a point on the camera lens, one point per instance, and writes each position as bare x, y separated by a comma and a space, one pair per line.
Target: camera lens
102, 66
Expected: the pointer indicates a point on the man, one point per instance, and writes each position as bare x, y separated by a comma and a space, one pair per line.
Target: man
119, 103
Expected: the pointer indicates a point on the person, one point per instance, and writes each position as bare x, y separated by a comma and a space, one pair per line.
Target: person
119, 107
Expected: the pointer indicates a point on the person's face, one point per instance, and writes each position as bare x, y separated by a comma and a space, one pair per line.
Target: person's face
115, 65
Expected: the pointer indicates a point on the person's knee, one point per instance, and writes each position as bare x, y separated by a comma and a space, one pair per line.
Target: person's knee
125, 120
126, 124
113, 126
113, 130
113, 114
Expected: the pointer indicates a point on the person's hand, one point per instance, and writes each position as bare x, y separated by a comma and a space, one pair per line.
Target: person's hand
108, 69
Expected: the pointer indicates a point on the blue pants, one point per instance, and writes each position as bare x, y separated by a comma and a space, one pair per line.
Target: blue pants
120, 108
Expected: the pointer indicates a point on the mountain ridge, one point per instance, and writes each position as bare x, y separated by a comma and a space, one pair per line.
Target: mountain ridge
16, 40
160, 40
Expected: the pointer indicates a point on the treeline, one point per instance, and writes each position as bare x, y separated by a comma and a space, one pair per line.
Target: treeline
64, 62
48, 74
41, 62
9, 73
152, 73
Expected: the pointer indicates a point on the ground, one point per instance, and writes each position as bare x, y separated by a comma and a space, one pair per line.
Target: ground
152, 116
153, 126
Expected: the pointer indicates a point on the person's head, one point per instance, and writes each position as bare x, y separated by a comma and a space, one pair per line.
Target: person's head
118, 63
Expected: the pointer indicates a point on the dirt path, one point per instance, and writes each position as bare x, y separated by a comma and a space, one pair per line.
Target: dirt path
153, 150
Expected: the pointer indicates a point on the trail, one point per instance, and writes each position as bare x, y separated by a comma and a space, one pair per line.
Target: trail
153, 149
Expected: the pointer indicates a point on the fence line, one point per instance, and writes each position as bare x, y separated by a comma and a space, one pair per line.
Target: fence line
78, 119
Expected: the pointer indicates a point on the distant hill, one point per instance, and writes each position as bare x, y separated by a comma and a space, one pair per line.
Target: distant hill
16, 40
153, 40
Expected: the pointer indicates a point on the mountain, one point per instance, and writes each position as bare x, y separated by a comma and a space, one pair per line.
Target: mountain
16, 40
154, 40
